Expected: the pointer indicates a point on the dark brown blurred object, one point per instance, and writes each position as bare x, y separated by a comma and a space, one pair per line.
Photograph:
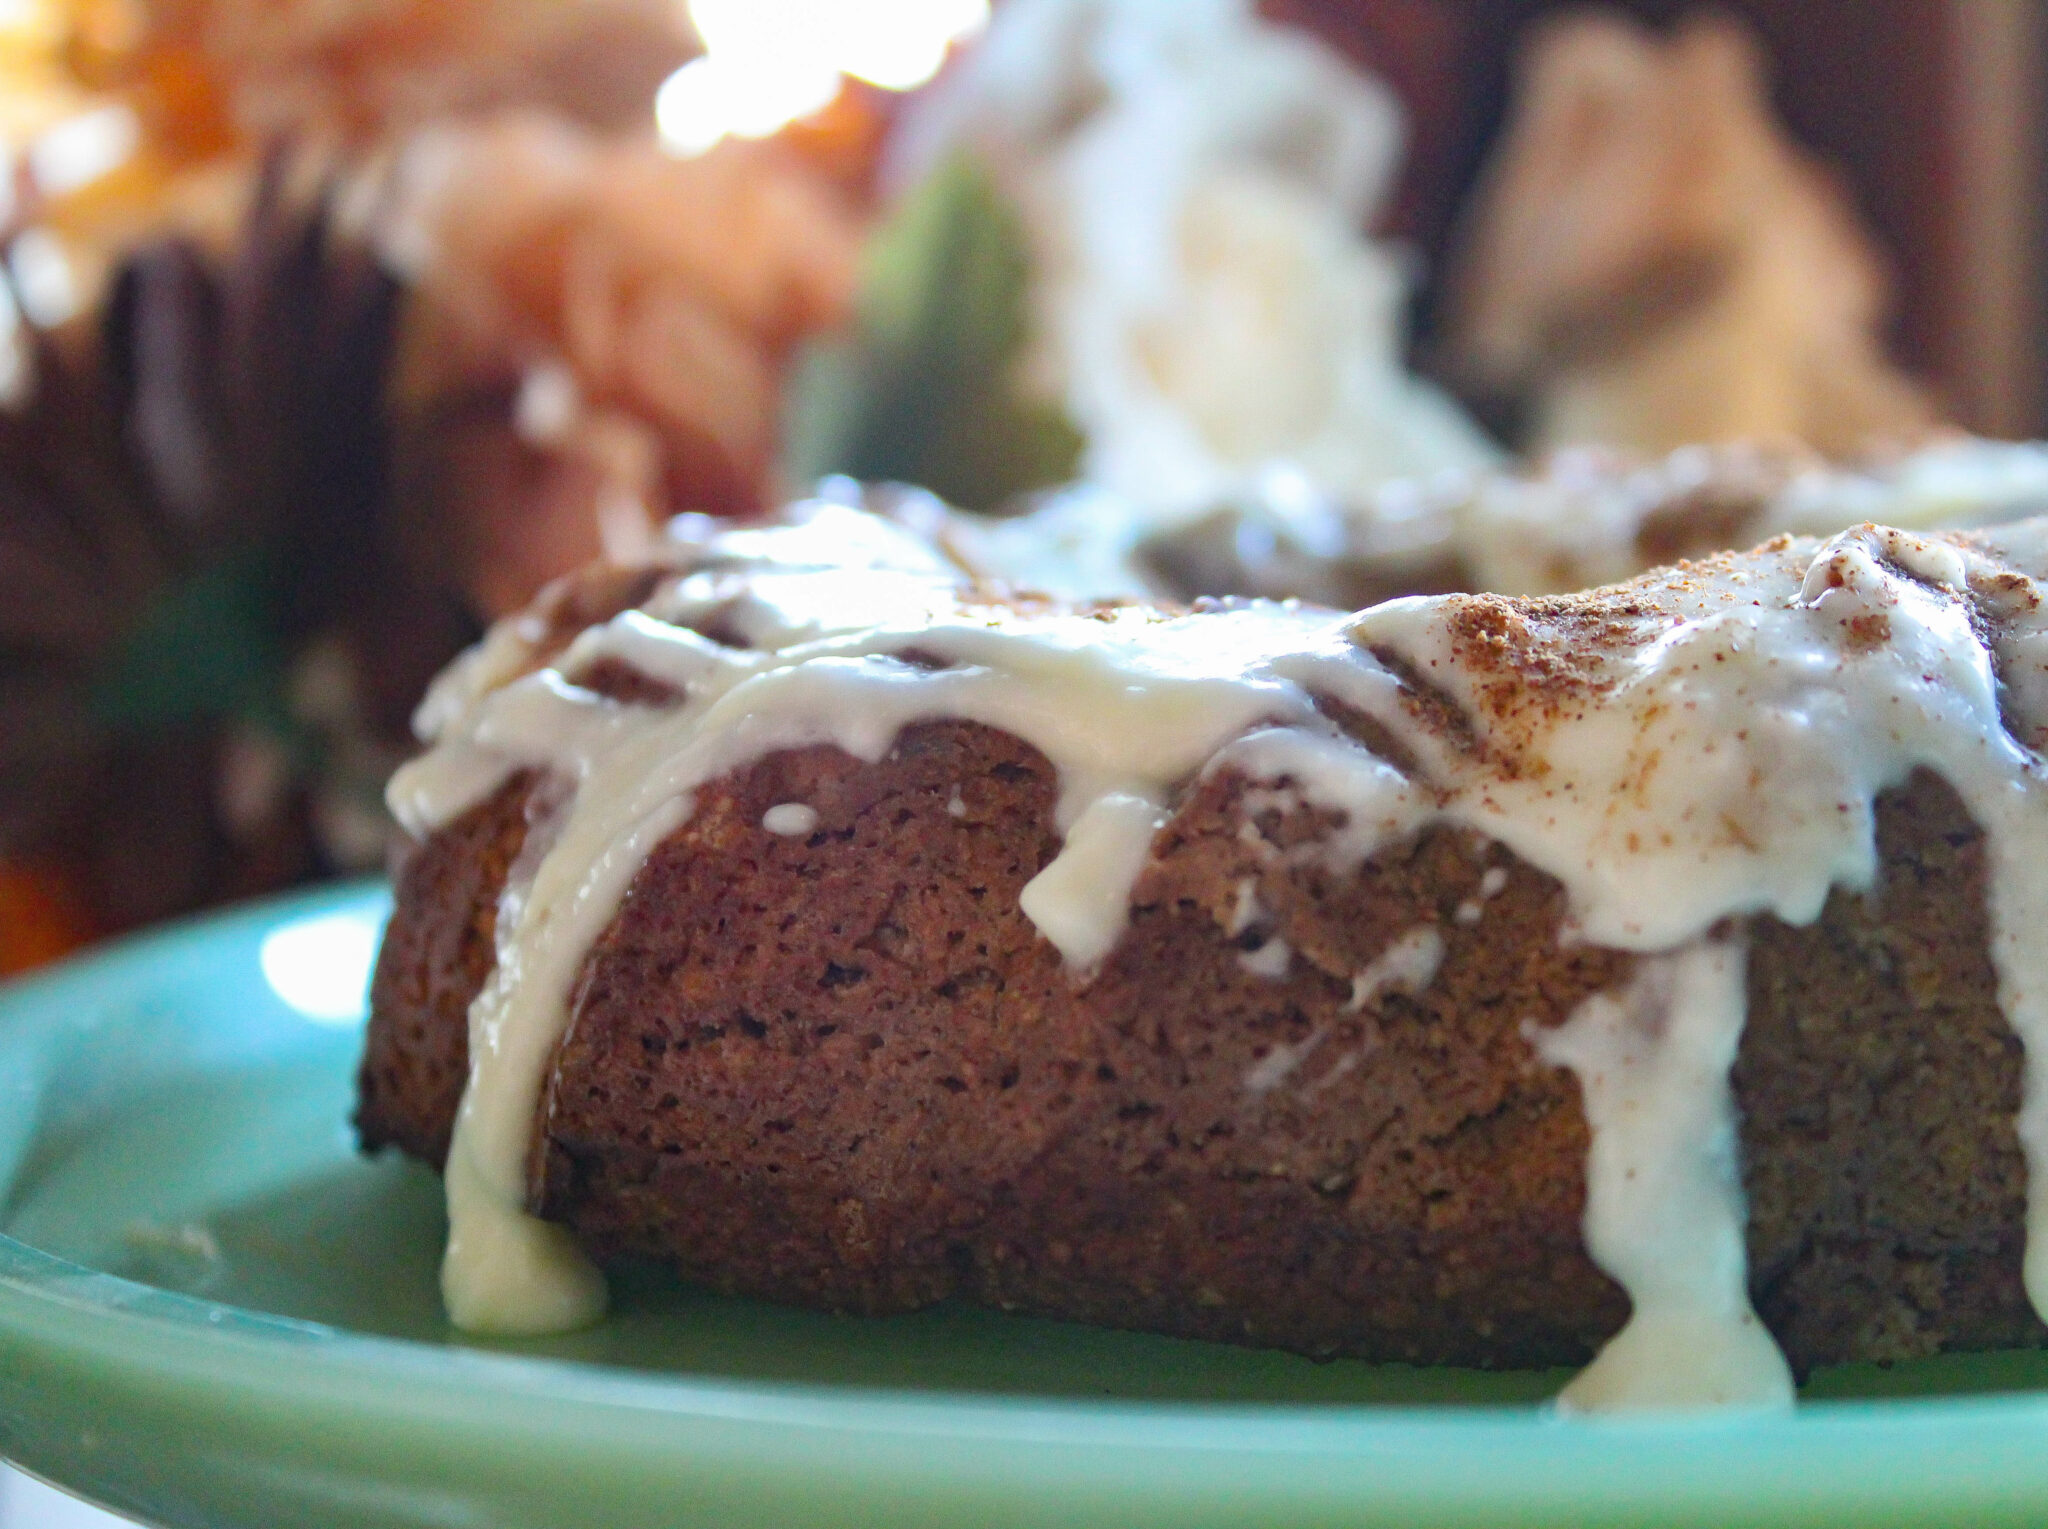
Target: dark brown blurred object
1422, 48
597, 337
266, 491
1932, 110
1650, 262
210, 638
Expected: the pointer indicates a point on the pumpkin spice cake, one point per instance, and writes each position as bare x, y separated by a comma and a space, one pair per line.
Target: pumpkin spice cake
1641, 976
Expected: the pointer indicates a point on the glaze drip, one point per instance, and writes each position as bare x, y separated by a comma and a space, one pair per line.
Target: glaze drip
1664, 1206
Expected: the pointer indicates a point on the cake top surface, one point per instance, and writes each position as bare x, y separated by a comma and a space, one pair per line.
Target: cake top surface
1582, 517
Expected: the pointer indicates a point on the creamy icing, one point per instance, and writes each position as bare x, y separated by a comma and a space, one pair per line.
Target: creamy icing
1576, 522
1664, 1206
1408, 965
1244, 908
792, 820
1579, 521
1707, 745
1272, 960
1079, 902
1279, 1064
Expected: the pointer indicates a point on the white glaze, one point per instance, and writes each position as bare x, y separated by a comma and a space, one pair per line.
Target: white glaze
1577, 522
1664, 1207
1081, 901
1718, 754
1272, 960
1574, 523
792, 820
1408, 965
1279, 1064
1244, 907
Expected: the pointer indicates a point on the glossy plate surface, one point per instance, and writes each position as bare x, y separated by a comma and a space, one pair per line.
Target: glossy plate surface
212, 1312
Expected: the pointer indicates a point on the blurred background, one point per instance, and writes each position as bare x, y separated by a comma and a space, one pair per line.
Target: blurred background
330, 330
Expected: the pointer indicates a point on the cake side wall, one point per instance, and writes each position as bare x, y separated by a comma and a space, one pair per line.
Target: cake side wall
843, 1069
437, 950
1879, 1084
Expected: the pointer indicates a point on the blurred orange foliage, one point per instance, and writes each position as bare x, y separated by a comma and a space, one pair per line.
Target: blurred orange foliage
39, 919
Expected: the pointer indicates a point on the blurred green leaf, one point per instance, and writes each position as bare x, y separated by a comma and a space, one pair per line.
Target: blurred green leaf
206, 648
925, 389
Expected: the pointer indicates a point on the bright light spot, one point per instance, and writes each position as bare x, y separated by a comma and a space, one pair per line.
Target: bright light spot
547, 405
43, 280
707, 99
81, 149
768, 63
321, 965
16, 376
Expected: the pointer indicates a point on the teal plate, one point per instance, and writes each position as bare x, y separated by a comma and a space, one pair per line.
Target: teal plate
213, 1312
